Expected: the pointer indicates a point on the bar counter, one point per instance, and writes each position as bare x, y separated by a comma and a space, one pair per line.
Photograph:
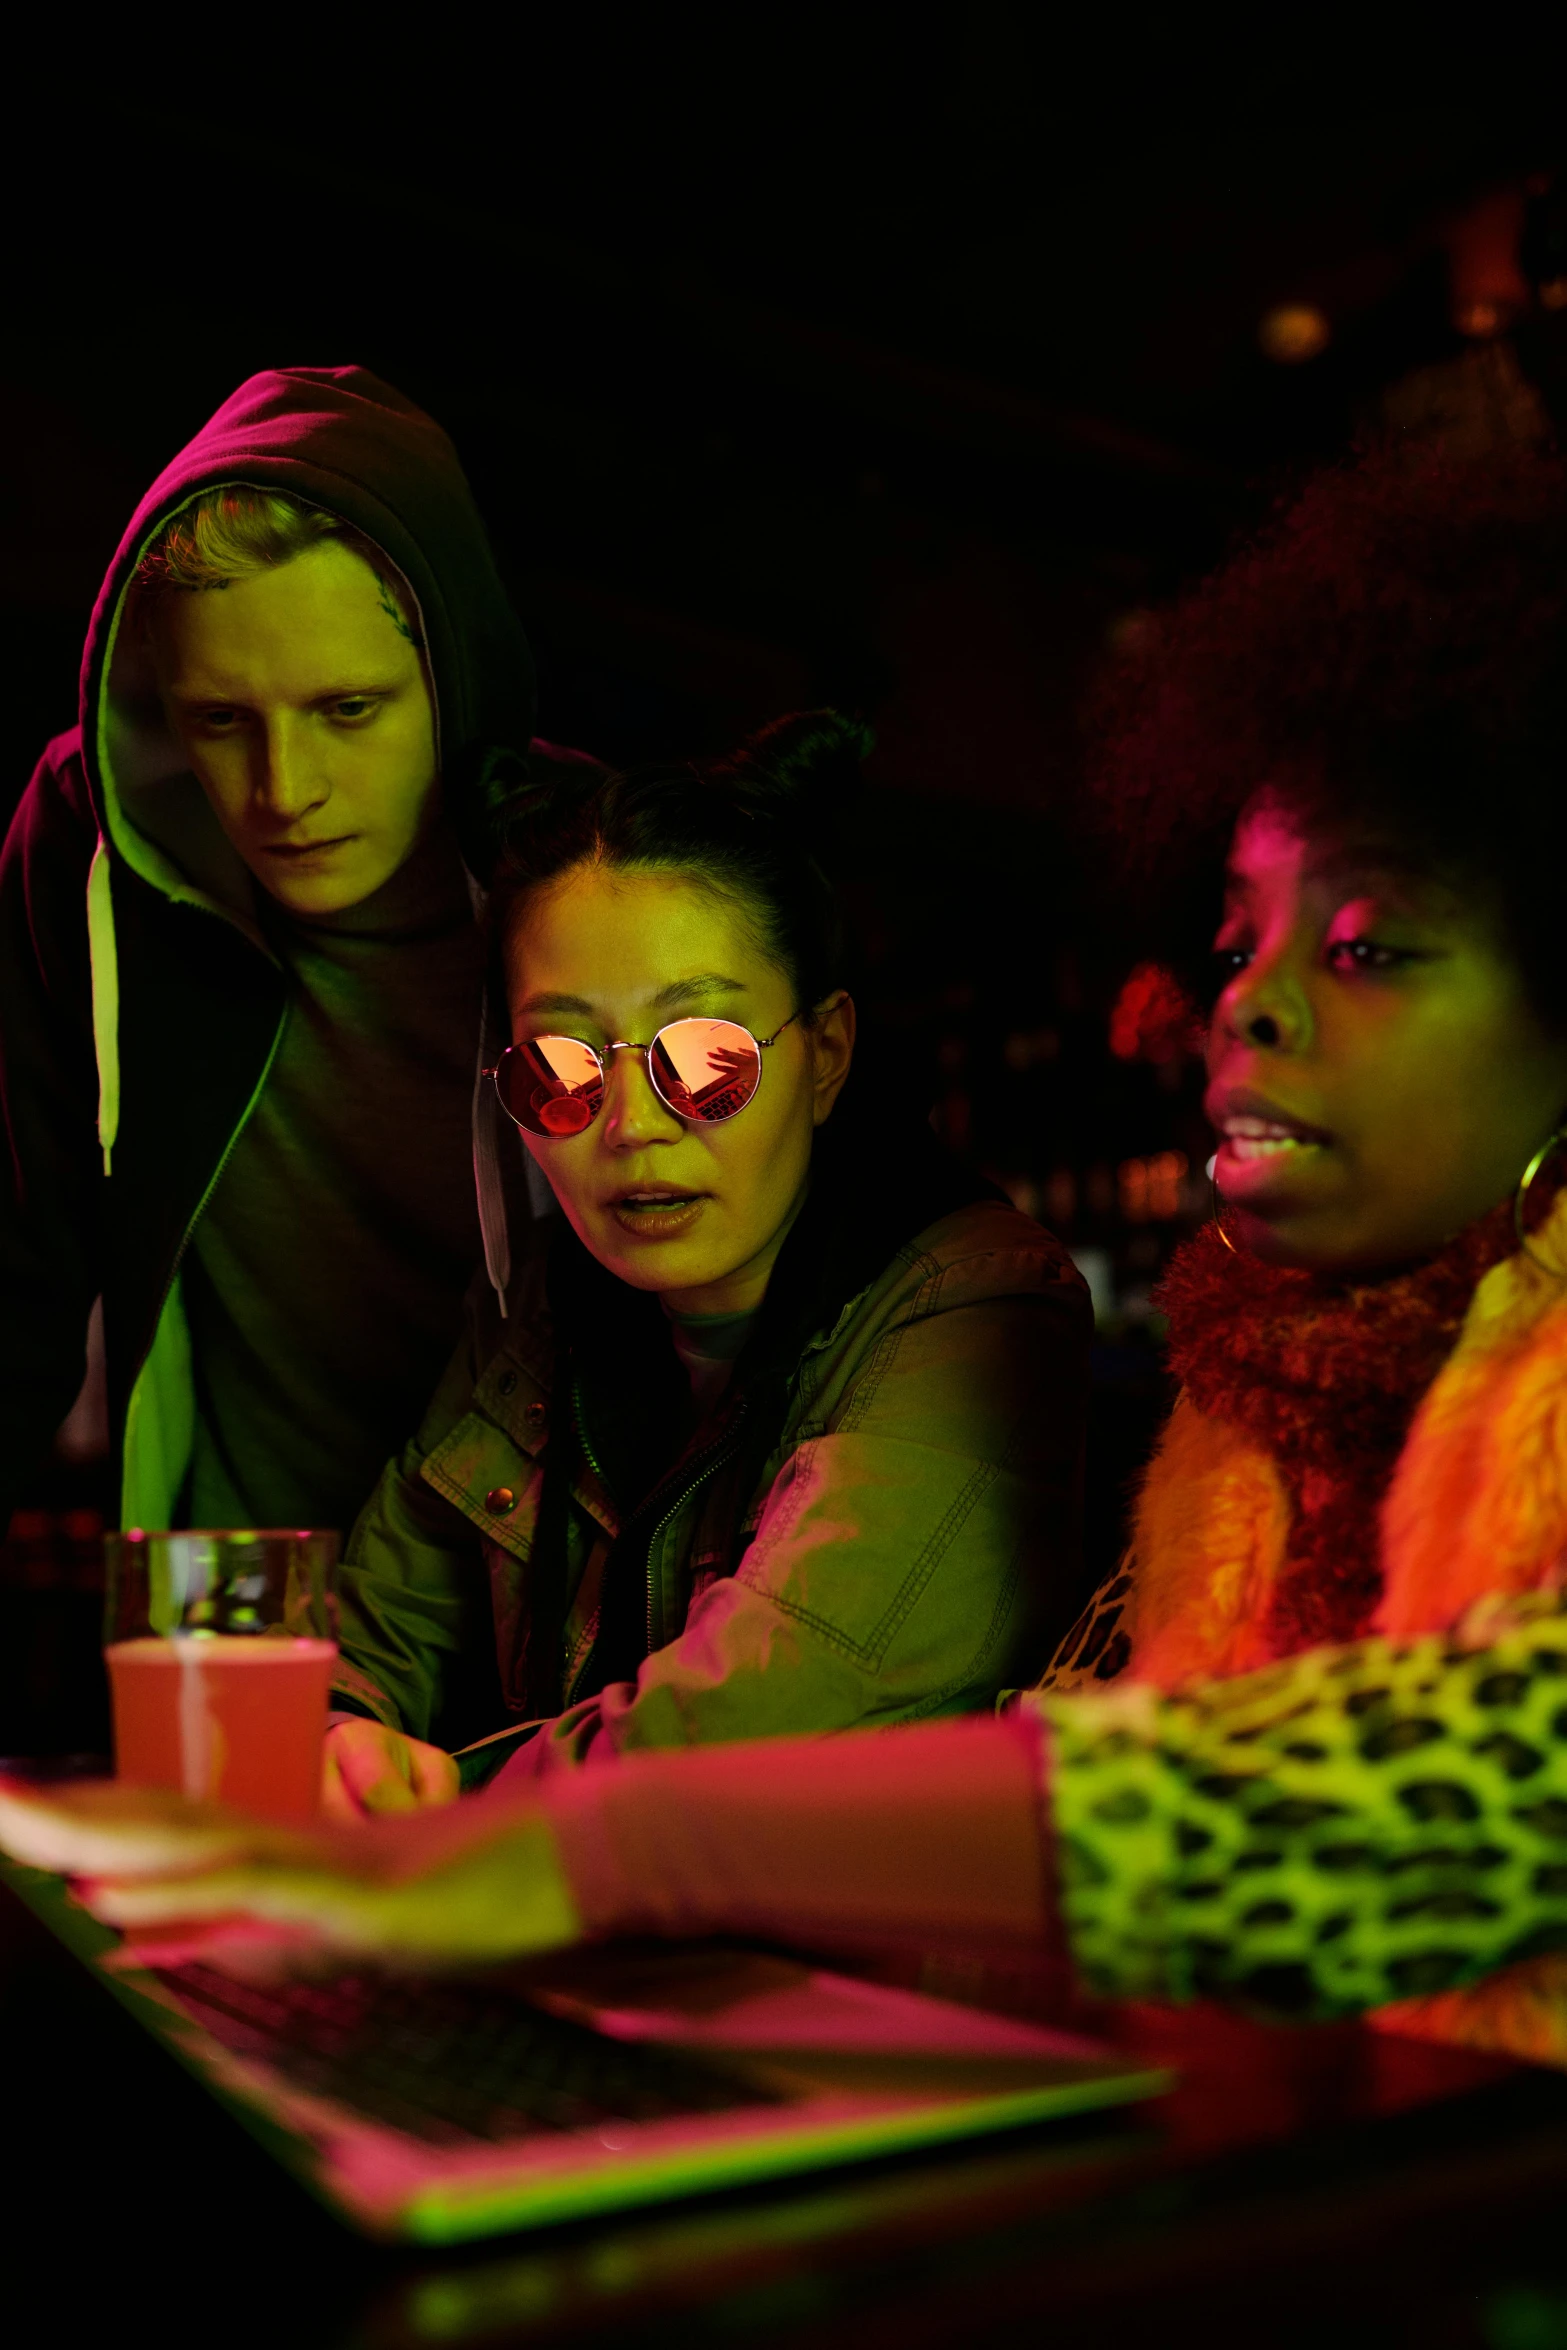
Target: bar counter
1320, 2184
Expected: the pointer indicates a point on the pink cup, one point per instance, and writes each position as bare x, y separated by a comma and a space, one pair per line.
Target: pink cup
232, 1719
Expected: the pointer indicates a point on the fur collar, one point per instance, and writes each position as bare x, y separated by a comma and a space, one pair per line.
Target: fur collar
1476, 1506
1474, 1500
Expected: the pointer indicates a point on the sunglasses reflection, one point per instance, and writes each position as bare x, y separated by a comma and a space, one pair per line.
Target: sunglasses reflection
702, 1069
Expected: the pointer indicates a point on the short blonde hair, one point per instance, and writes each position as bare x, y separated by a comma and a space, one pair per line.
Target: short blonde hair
236, 531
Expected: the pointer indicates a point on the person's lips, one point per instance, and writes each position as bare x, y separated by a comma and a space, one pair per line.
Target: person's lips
1258, 1139
1266, 1138
297, 850
656, 1211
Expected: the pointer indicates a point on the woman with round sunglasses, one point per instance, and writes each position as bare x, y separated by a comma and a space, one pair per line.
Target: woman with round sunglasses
782, 1428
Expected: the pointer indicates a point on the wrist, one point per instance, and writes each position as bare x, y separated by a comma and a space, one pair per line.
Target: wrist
482, 1887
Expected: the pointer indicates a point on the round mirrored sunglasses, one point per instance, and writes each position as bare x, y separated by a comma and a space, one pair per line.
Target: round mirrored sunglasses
702, 1069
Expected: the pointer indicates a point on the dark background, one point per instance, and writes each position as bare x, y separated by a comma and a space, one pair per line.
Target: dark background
901, 362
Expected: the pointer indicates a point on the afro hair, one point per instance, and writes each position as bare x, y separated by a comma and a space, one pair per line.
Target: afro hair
1389, 654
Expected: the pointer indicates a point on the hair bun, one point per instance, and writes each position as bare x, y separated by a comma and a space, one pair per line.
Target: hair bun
493, 792
805, 765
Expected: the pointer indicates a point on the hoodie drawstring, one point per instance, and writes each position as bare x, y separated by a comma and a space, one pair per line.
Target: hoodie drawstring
487, 1172
103, 956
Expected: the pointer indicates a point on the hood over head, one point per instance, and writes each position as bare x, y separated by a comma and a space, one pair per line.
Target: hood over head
338, 438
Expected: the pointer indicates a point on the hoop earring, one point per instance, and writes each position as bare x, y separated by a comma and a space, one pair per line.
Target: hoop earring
1218, 1210
1521, 1201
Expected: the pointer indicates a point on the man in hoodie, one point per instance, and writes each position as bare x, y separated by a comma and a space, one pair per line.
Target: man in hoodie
239, 967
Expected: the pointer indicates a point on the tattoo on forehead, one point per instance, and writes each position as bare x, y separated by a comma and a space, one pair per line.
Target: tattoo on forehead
390, 607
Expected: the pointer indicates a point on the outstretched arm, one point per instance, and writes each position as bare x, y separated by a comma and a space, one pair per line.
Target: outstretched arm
893, 1836
1351, 1827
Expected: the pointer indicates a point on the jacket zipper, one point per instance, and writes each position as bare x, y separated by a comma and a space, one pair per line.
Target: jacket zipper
725, 1450
580, 1424
579, 1420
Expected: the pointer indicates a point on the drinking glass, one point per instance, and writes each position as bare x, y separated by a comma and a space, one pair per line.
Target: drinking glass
220, 1644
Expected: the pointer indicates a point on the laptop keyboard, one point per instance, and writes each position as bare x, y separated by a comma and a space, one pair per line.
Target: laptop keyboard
449, 2061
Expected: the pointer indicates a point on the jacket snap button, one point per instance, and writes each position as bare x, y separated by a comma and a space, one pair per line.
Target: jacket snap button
500, 1501
507, 1382
535, 1414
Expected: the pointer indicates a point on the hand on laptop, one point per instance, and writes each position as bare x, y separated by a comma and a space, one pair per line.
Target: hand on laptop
369, 1770
467, 1883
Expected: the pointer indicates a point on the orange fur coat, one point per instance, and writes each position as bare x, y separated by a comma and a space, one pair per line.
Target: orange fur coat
1476, 1510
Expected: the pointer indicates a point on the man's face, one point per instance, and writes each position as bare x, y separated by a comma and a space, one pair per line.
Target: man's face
302, 704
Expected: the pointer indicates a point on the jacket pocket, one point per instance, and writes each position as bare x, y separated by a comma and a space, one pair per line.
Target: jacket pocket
486, 1475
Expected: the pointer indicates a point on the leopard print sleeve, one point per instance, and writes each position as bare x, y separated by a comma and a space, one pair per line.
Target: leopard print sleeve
1354, 1826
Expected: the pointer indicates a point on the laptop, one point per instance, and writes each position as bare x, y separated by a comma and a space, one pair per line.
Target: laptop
437, 2109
